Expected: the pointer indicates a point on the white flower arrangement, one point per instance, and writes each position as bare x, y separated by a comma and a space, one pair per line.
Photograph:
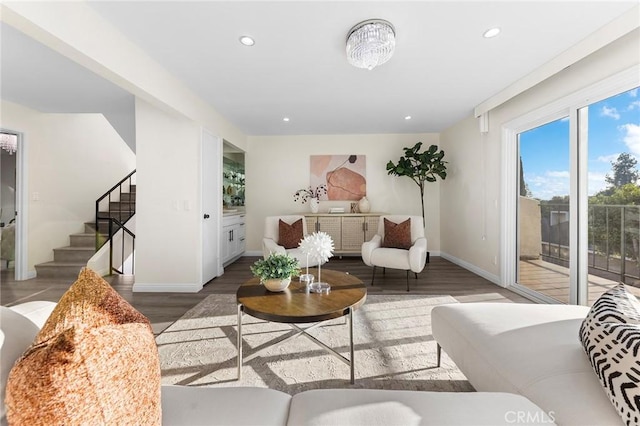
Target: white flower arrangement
318, 245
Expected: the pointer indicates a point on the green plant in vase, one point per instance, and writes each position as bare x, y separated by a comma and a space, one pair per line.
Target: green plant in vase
276, 271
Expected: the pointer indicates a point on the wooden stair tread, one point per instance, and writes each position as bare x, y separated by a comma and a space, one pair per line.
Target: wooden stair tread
54, 263
106, 215
76, 248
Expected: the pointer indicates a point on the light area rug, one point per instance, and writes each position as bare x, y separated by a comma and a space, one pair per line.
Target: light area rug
394, 349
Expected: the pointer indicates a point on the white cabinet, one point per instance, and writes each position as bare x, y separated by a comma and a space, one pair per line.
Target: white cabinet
233, 238
348, 231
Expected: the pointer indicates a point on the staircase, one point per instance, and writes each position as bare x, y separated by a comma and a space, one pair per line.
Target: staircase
120, 210
68, 261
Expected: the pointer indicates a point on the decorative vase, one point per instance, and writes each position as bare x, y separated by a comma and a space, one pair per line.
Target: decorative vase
363, 205
314, 203
277, 284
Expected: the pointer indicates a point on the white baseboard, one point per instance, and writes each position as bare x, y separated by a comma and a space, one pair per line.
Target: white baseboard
473, 268
31, 274
252, 253
166, 287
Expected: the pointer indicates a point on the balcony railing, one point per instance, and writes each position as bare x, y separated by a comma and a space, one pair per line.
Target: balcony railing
614, 239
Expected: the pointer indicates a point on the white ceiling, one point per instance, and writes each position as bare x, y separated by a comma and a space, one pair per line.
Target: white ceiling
441, 70
35, 76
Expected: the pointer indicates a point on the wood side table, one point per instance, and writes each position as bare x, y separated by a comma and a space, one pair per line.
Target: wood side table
296, 306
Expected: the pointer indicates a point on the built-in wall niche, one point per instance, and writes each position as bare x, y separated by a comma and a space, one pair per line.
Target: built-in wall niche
233, 176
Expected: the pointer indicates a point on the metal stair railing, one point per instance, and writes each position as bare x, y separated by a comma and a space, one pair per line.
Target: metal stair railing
116, 224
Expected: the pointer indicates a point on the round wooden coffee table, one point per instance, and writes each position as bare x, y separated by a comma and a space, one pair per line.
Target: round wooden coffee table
297, 306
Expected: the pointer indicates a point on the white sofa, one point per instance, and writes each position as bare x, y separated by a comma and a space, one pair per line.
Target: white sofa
526, 349
182, 405
18, 328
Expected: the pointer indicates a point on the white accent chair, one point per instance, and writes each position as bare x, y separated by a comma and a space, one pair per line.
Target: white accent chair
7, 243
414, 259
271, 234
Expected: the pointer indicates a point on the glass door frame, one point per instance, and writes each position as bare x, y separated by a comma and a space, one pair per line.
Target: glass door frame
573, 107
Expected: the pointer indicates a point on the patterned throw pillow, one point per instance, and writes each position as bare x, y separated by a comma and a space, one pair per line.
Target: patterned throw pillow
289, 236
95, 361
610, 336
397, 235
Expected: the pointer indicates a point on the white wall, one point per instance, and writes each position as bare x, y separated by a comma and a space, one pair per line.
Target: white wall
470, 202
166, 174
78, 32
277, 166
72, 160
168, 251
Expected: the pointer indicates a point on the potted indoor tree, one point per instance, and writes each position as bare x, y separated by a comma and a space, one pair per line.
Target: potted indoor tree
420, 167
275, 271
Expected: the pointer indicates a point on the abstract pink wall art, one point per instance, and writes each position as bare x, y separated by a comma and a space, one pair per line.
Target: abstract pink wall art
344, 175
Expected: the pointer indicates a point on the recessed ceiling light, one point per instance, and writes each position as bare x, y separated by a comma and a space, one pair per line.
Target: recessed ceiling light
408, 117
247, 41
286, 119
491, 32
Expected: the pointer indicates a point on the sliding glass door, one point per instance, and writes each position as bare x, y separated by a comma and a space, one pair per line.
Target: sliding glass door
578, 201
613, 134
543, 209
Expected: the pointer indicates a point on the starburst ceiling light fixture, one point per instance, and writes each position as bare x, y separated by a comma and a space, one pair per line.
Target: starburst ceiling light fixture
371, 43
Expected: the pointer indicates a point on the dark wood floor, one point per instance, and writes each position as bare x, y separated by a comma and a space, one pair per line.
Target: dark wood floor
440, 277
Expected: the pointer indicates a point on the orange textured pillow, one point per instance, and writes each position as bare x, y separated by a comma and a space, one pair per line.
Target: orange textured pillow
397, 235
90, 302
95, 361
289, 236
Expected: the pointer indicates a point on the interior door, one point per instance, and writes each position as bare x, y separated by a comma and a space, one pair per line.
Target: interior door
211, 181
